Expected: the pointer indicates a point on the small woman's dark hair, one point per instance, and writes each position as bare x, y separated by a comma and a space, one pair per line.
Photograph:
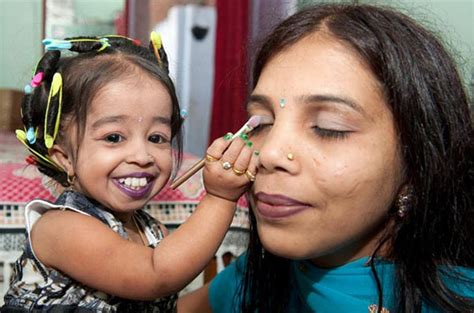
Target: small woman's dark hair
84, 75
423, 89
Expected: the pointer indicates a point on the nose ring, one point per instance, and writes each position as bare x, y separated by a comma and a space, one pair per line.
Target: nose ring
290, 156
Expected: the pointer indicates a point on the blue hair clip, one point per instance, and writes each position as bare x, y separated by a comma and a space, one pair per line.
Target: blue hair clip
184, 114
53, 44
28, 89
31, 136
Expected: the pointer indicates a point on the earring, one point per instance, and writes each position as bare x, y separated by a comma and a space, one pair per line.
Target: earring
290, 156
71, 180
405, 199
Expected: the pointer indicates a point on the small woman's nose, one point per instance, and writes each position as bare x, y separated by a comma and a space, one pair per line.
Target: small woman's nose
140, 155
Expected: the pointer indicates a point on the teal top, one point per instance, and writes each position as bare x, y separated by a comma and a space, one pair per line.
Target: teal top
347, 288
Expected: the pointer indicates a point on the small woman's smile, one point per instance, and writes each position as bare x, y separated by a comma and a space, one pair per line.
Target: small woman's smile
278, 206
136, 185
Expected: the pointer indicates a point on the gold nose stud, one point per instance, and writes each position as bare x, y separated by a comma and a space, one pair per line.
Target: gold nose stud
290, 156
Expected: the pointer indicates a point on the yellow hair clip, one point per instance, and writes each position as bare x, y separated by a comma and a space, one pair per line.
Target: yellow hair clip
56, 92
105, 44
45, 160
155, 39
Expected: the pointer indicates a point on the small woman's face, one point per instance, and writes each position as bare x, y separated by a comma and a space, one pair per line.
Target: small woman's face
330, 165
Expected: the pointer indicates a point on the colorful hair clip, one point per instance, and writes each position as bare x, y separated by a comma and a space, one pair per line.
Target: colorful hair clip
45, 160
134, 41
31, 160
56, 94
35, 82
105, 44
53, 44
28, 89
37, 79
31, 135
155, 39
184, 114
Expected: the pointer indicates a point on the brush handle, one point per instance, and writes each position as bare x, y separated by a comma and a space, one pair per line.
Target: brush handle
196, 167
243, 130
200, 164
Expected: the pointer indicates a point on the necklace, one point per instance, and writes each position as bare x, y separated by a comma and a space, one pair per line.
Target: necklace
139, 230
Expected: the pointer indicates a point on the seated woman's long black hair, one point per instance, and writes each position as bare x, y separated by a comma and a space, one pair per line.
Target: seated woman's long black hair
424, 91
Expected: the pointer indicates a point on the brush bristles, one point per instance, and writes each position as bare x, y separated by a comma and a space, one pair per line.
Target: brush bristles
254, 121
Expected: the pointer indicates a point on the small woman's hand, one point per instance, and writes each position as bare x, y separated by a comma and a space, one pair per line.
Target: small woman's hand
231, 166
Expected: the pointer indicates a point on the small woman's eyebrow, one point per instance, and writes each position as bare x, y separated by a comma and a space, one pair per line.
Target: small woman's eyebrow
122, 118
162, 120
108, 120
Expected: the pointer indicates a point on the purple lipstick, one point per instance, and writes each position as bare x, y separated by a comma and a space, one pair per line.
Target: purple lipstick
135, 185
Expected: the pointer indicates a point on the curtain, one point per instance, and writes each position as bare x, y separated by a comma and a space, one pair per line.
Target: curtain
231, 68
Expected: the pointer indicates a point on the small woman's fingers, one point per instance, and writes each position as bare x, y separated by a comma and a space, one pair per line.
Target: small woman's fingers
251, 171
218, 146
242, 162
233, 151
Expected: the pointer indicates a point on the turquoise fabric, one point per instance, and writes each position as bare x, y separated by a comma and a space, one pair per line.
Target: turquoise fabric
348, 288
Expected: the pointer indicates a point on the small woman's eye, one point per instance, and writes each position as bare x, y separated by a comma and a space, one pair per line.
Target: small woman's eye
157, 139
113, 138
331, 133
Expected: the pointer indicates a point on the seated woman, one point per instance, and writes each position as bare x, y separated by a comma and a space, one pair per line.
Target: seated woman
363, 197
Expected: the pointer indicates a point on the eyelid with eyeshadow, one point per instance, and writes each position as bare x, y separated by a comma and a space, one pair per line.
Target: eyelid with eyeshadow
265, 120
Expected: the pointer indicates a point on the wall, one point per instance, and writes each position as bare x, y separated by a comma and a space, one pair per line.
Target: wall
20, 41
452, 20
21, 33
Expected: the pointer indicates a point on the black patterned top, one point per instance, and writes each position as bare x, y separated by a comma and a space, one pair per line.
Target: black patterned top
37, 288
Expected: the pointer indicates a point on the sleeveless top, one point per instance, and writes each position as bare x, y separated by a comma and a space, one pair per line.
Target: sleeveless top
37, 288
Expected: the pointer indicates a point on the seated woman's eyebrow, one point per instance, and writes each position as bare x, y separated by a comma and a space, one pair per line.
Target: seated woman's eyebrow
259, 100
329, 98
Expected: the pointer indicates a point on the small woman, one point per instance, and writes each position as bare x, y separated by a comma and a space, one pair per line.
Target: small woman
363, 198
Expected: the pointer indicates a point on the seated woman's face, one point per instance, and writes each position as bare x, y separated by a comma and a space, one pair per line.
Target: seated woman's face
330, 164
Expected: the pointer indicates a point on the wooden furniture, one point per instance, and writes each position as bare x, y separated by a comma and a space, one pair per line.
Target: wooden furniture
10, 102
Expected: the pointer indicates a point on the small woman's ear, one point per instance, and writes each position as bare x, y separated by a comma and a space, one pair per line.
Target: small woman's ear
63, 158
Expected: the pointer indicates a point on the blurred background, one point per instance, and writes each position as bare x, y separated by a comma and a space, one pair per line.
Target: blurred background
209, 43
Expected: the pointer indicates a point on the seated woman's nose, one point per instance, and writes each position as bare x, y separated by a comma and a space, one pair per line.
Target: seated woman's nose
276, 152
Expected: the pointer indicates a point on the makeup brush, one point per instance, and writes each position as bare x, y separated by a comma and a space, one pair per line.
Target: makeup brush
253, 122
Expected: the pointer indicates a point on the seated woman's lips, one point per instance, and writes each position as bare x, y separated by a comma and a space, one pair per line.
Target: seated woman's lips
278, 206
